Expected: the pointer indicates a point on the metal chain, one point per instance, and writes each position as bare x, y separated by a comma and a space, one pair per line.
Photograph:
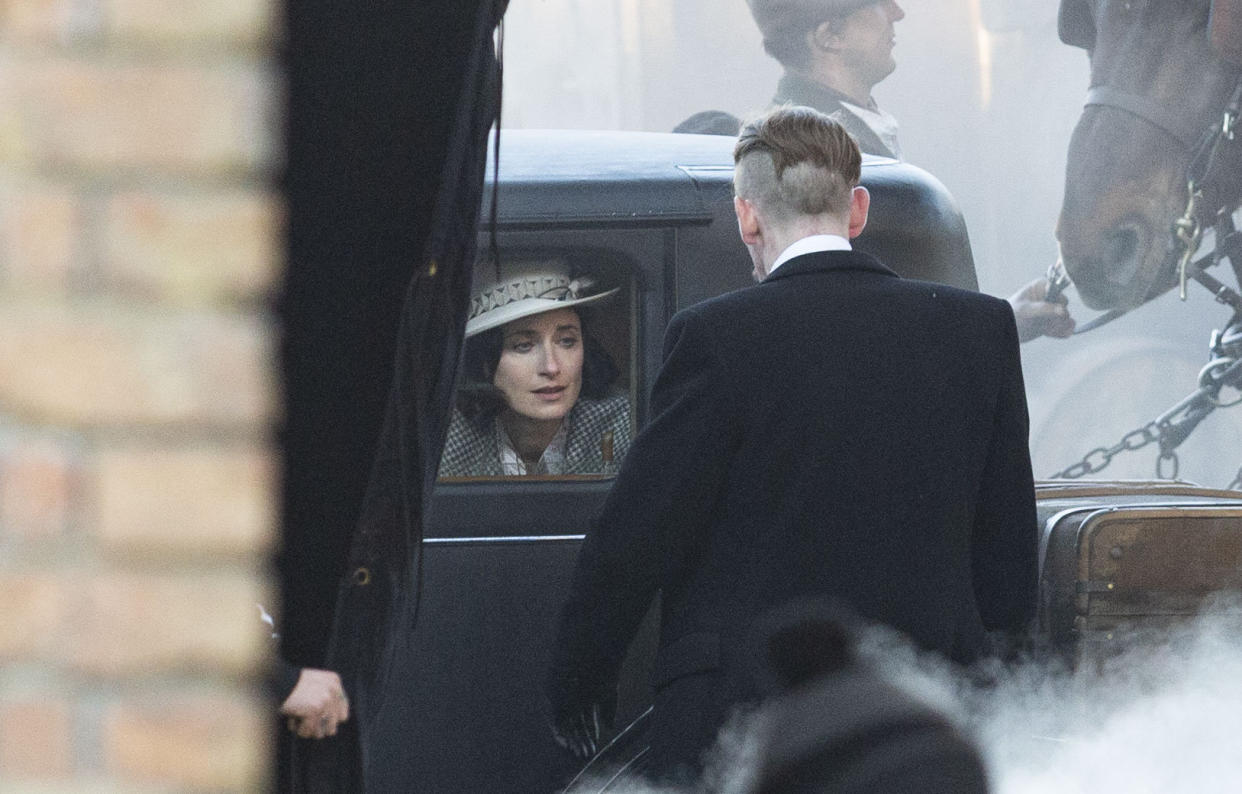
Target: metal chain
1169, 429
1098, 458
1188, 231
1172, 427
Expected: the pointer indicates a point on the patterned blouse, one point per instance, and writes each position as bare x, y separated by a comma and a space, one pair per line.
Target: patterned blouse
592, 440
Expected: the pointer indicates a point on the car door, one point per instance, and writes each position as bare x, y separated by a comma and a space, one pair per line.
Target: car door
651, 214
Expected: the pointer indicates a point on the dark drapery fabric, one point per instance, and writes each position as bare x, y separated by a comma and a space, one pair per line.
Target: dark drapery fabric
388, 114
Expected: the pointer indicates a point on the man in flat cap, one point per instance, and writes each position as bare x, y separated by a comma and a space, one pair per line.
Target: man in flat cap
834, 52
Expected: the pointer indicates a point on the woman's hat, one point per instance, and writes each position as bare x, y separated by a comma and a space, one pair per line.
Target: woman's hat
526, 288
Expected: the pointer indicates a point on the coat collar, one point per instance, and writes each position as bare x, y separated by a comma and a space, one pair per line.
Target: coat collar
827, 261
794, 89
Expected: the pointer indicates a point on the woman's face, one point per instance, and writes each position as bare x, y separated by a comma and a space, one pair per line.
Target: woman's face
540, 368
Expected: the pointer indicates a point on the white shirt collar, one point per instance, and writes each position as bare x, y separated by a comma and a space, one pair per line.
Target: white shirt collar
810, 245
881, 123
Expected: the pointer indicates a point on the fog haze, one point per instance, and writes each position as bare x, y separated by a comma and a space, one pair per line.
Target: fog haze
1152, 716
987, 97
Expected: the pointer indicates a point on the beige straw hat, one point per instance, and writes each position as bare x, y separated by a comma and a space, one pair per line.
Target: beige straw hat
526, 288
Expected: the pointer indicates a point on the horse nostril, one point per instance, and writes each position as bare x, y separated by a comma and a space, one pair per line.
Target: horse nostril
1121, 244
1122, 253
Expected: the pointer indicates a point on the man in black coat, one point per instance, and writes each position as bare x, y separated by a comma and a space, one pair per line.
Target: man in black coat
834, 431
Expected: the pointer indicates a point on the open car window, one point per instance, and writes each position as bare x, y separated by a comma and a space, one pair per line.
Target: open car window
549, 393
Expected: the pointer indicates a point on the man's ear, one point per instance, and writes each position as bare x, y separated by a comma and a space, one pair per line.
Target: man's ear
860, 202
747, 220
823, 37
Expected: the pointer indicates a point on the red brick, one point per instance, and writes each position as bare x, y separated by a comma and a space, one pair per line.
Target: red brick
36, 739
186, 502
137, 241
187, 21
38, 484
107, 116
39, 231
35, 607
188, 622
54, 21
211, 741
192, 248
103, 364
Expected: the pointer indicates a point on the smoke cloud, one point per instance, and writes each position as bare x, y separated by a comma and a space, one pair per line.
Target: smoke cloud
1148, 714
1163, 715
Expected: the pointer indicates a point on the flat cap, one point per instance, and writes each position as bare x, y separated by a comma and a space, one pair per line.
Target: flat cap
778, 19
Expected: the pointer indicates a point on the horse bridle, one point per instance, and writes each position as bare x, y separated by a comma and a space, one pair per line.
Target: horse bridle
1076, 26
1187, 231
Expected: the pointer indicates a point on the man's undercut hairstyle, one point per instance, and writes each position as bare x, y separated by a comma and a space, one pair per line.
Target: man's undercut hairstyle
796, 161
785, 24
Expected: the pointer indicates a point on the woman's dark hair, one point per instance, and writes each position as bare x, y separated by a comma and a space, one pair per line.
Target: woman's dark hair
480, 401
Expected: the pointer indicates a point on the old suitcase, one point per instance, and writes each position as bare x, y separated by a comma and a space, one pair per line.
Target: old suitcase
1130, 560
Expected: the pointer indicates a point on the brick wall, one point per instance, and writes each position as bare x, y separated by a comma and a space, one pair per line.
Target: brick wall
139, 241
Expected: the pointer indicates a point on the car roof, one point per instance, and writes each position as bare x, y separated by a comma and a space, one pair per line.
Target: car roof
561, 178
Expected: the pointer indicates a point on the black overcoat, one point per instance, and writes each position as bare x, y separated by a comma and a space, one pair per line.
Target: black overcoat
833, 431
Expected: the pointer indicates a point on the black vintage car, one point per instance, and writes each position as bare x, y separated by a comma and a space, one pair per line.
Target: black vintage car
652, 214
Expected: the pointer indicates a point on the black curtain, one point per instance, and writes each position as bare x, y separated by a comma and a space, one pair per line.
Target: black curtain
389, 105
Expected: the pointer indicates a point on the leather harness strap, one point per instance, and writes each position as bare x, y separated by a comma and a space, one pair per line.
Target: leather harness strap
1182, 128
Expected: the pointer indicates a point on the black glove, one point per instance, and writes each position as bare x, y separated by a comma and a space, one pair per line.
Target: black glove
578, 728
578, 732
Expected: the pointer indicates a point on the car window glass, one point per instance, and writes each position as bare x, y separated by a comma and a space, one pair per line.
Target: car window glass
546, 391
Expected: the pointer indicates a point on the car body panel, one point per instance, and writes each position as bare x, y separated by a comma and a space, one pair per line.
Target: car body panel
655, 212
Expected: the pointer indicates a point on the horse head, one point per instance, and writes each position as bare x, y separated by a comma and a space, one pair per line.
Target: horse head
1162, 73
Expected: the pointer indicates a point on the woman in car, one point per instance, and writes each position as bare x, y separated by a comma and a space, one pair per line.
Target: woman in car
536, 396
